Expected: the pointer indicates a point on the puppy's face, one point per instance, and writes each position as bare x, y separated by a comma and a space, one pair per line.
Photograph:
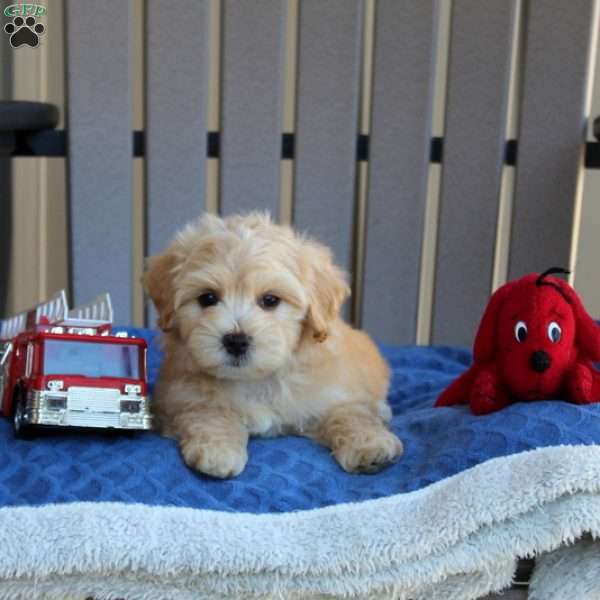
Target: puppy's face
241, 293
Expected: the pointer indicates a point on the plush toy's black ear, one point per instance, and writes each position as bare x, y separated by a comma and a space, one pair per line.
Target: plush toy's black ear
485, 340
551, 271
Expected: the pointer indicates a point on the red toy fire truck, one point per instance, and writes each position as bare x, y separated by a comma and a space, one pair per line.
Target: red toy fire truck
64, 368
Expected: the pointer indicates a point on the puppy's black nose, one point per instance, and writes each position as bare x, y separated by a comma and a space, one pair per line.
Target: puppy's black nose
539, 361
236, 344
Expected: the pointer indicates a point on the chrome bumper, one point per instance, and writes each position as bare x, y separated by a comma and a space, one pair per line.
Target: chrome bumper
87, 407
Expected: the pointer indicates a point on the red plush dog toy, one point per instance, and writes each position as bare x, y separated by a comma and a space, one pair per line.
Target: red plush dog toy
536, 341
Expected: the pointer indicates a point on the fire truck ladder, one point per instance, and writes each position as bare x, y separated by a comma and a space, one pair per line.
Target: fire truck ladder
93, 314
55, 312
51, 311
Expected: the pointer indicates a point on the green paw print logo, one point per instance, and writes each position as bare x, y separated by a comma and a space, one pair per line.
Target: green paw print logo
25, 28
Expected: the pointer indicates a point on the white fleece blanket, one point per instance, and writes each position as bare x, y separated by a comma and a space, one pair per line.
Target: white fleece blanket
456, 539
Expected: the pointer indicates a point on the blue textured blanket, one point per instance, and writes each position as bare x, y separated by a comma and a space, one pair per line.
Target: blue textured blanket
290, 473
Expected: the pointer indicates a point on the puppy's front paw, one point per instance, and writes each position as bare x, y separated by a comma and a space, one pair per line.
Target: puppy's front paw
368, 452
220, 460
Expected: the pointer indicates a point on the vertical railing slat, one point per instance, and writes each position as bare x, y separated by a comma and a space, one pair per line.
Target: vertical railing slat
329, 59
6, 211
251, 114
100, 151
403, 71
177, 47
478, 82
552, 132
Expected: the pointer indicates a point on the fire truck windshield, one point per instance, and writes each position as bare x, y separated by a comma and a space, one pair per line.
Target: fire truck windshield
91, 359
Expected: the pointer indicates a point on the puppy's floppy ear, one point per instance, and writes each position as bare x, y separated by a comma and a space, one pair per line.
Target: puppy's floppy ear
158, 283
327, 288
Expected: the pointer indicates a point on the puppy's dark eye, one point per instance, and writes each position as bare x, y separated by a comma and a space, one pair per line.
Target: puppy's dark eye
269, 302
521, 331
208, 299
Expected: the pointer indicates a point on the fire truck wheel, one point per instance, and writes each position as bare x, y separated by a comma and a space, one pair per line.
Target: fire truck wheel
22, 430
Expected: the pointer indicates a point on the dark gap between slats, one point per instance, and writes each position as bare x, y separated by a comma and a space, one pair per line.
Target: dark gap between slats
53, 142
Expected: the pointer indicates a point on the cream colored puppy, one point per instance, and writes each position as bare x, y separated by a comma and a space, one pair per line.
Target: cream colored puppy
254, 345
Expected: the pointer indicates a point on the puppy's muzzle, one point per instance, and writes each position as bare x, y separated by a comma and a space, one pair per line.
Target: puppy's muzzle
236, 344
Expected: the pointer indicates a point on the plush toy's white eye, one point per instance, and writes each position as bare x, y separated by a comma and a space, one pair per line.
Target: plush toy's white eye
521, 331
554, 332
